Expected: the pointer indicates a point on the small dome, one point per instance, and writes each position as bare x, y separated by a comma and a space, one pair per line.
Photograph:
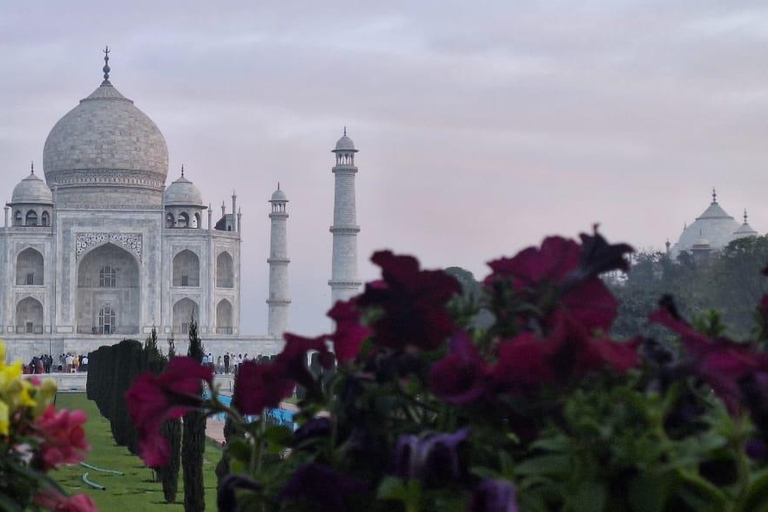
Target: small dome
345, 144
183, 192
32, 190
279, 195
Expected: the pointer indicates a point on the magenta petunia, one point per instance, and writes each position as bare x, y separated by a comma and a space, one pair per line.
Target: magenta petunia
462, 376
260, 386
350, 332
155, 398
412, 303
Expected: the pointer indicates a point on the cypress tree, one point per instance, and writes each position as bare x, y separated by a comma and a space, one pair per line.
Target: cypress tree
193, 436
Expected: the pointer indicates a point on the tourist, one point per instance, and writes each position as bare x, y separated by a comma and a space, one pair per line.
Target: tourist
226, 363
84, 364
75, 364
68, 363
205, 360
218, 364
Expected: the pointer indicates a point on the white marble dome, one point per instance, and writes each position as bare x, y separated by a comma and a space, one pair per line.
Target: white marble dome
279, 195
183, 192
345, 144
32, 190
715, 226
105, 132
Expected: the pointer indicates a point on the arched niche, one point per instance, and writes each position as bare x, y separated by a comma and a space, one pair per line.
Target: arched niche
225, 271
29, 316
186, 269
108, 276
184, 312
224, 317
30, 268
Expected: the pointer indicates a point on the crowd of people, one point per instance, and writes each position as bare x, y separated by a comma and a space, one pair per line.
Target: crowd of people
228, 362
74, 363
67, 363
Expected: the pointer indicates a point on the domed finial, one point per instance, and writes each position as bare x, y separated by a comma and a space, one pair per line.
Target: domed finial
745, 215
278, 185
32, 166
182, 170
345, 131
106, 67
714, 195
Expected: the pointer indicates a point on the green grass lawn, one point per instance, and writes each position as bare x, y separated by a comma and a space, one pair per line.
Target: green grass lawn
134, 492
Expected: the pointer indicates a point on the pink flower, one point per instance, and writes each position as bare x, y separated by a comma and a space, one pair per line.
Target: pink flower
412, 302
260, 386
350, 333
63, 437
720, 363
292, 361
56, 502
462, 376
562, 276
569, 352
154, 399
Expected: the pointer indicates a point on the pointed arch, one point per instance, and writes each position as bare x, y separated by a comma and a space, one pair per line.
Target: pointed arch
29, 316
225, 271
184, 312
224, 317
30, 268
186, 269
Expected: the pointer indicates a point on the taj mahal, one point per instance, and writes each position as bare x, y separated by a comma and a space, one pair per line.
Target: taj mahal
101, 249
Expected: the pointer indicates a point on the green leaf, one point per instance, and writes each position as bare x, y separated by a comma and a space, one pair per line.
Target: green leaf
700, 494
239, 449
544, 465
9, 505
392, 488
650, 492
756, 498
590, 497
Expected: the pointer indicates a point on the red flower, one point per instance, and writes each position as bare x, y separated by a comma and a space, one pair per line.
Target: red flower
720, 363
154, 399
63, 437
292, 361
462, 376
56, 502
567, 354
260, 386
412, 302
350, 333
562, 275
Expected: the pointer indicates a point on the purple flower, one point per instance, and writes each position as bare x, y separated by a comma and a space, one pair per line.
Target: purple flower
756, 449
494, 496
433, 459
313, 429
322, 486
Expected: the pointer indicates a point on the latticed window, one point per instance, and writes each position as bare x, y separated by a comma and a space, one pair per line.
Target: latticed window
107, 277
107, 319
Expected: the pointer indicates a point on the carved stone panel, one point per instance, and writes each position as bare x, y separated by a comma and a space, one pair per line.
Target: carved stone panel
129, 241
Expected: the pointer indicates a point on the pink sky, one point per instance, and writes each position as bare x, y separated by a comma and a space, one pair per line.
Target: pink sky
482, 126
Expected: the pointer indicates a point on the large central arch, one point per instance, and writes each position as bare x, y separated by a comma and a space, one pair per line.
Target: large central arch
108, 279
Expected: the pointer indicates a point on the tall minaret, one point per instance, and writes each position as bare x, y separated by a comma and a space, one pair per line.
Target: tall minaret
278, 300
344, 281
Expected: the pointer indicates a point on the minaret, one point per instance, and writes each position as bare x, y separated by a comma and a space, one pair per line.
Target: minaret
344, 281
278, 300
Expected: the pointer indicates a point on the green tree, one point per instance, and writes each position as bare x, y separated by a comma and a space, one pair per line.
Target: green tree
193, 439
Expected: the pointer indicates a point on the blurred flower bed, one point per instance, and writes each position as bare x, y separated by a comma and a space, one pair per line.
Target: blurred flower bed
512, 399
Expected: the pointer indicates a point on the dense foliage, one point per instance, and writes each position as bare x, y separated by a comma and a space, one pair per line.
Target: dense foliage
726, 282
537, 409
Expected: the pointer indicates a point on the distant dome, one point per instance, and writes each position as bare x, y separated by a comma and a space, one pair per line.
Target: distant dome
744, 231
32, 190
183, 192
345, 144
279, 195
105, 132
714, 226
